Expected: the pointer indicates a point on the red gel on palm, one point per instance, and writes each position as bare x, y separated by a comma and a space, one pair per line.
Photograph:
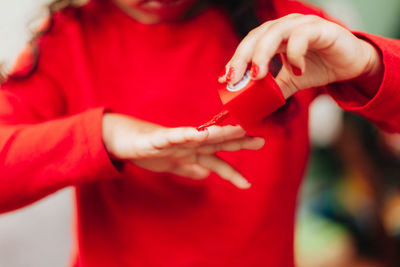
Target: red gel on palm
248, 101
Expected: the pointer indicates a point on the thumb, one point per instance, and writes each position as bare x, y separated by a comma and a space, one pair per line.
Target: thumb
287, 82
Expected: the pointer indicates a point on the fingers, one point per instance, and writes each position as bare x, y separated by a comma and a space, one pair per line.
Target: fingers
188, 169
190, 137
194, 171
179, 152
299, 43
223, 169
219, 134
168, 137
239, 62
199, 167
274, 41
291, 34
183, 141
251, 143
246, 51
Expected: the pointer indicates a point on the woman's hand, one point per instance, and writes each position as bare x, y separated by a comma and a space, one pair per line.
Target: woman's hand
315, 52
183, 151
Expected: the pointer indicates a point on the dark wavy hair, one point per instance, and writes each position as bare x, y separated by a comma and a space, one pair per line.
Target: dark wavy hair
242, 13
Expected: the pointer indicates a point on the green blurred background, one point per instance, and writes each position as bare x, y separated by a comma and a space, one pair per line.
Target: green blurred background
375, 16
349, 211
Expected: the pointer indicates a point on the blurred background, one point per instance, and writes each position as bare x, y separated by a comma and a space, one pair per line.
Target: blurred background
349, 211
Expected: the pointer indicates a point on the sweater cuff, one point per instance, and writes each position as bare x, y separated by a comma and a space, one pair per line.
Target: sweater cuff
100, 164
360, 100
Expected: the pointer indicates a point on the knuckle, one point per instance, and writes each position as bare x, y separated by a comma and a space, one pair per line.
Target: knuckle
161, 132
253, 34
299, 32
293, 15
265, 25
312, 17
232, 174
260, 56
186, 130
274, 29
332, 28
238, 59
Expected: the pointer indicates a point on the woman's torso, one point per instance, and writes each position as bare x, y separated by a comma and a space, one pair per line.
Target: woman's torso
167, 74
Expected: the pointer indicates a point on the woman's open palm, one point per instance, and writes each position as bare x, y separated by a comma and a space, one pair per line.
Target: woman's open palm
183, 151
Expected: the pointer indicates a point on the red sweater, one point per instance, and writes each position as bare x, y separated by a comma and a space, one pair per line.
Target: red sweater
50, 138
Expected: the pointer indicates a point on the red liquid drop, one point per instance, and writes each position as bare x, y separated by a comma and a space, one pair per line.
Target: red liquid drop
220, 117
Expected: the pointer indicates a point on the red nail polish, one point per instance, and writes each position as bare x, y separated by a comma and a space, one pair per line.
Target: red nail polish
255, 70
230, 75
284, 57
296, 71
222, 73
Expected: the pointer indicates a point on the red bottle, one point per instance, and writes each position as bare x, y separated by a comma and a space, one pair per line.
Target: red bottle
248, 101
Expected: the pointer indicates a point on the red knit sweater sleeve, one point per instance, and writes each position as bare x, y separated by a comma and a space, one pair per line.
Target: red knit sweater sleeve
41, 149
383, 108
40, 156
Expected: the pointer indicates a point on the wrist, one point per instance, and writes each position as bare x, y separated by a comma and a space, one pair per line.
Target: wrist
374, 65
107, 133
371, 77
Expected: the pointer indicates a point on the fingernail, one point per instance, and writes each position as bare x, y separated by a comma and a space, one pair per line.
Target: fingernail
260, 140
296, 71
230, 75
222, 73
243, 184
254, 70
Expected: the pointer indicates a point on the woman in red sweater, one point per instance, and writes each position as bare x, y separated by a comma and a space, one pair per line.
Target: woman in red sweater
153, 66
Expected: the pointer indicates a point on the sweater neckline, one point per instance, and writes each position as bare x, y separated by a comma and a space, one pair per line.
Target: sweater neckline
111, 7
